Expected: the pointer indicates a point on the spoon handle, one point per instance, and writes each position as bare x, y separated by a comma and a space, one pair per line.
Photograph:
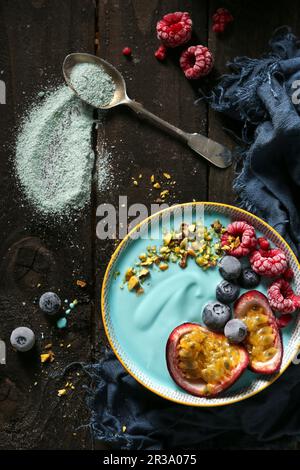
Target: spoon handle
214, 152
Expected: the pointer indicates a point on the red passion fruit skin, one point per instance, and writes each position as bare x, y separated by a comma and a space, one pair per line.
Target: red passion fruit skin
198, 387
244, 304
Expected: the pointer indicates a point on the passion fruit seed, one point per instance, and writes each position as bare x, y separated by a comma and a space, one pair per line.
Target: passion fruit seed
260, 340
202, 356
215, 315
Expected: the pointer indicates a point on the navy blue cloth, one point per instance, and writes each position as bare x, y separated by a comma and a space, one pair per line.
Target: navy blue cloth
259, 94
126, 415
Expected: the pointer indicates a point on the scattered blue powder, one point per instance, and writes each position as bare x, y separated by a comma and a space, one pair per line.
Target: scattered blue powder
54, 155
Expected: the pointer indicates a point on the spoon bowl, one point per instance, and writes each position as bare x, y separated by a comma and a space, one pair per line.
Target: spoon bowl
214, 152
120, 96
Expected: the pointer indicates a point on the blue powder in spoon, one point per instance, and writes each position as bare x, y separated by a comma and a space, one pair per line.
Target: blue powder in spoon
93, 84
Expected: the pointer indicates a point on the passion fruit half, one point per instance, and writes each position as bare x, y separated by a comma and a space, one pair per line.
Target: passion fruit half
263, 341
202, 362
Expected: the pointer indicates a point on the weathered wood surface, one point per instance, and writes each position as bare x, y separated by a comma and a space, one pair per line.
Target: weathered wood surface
35, 35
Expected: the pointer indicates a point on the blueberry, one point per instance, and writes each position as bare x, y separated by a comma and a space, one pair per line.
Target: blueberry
235, 330
249, 279
22, 339
230, 268
227, 292
50, 303
215, 315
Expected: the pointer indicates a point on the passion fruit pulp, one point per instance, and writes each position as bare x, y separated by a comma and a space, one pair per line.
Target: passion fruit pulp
263, 341
202, 362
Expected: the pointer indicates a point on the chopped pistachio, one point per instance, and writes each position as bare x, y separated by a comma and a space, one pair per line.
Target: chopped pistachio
143, 272
164, 193
163, 266
167, 238
133, 283
129, 273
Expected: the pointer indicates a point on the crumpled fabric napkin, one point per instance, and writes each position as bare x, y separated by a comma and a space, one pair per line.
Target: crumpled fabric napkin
123, 413
127, 416
259, 93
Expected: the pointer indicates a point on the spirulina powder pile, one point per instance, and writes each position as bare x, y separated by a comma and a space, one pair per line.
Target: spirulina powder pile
54, 156
93, 84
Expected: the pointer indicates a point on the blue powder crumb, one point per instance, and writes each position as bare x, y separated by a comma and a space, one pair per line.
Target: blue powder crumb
61, 323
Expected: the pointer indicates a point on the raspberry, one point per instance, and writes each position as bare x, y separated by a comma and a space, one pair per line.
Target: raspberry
284, 320
221, 19
196, 62
268, 263
239, 239
161, 53
288, 274
127, 51
174, 29
282, 297
263, 243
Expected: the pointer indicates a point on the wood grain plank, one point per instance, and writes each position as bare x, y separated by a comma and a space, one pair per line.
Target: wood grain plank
35, 36
136, 147
249, 36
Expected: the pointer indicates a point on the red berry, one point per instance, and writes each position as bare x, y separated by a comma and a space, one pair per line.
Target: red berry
282, 297
263, 243
174, 29
268, 263
221, 19
161, 53
288, 274
284, 320
196, 62
127, 51
239, 239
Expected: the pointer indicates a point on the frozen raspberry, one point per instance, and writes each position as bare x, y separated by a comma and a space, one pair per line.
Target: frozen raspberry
263, 243
174, 29
196, 62
127, 51
284, 320
239, 239
161, 53
221, 19
268, 263
288, 274
282, 297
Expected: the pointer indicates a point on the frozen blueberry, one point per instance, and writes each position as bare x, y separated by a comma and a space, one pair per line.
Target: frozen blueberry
227, 292
50, 303
249, 279
230, 268
235, 330
215, 315
22, 339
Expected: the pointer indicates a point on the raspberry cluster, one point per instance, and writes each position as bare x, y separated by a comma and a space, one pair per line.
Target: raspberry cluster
239, 240
221, 19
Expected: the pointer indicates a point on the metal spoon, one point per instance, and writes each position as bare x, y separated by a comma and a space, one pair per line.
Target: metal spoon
207, 148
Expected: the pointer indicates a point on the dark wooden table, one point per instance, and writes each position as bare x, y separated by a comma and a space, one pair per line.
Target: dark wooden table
35, 36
